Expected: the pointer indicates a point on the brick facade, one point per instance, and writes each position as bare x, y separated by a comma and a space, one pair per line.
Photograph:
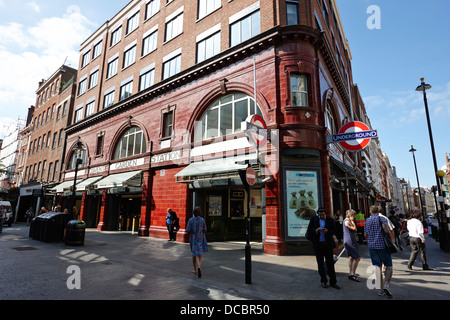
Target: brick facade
280, 51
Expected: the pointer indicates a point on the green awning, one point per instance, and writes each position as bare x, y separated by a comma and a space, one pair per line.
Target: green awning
220, 168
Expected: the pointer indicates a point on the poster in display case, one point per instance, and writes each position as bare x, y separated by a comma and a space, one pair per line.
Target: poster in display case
215, 206
302, 199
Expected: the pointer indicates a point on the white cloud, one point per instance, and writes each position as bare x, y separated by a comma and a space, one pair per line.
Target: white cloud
34, 6
29, 54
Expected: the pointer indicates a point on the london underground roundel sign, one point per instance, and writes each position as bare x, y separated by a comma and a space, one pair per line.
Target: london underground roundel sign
256, 130
355, 136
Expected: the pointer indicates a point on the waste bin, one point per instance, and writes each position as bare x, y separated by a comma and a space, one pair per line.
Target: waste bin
75, 232
48, 227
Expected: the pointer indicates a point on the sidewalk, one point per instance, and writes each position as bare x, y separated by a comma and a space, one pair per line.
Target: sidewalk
121, 266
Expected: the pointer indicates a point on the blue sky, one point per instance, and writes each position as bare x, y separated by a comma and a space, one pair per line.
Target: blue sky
413, 42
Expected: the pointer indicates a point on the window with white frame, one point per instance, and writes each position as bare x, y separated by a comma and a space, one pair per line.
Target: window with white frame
146, 79
171, 66
90, 107
78, 113
174, 27
86, 59
149, 43
93, 79
131, 143
299, 90
208, 47
205, 7
245, 28
133, 23
82, 86
126, 90
116, 35
152, 8
224, 116
97, 50
112, 68
129, 57
109, 99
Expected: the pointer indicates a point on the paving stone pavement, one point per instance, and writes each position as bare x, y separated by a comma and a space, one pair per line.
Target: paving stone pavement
122, 266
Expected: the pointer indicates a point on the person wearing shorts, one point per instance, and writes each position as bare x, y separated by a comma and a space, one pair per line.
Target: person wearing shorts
379, 254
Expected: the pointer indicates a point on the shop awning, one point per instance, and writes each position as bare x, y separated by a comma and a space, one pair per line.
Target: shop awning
82, 186
126, 179
66, 185
221, 168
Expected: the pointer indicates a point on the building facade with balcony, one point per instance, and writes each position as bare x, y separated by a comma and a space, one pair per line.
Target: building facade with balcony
163, 88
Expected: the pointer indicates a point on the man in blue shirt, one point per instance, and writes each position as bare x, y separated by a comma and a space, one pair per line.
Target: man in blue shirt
322, 232
379, 254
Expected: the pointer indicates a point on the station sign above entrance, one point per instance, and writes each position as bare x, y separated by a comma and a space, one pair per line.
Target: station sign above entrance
353, 136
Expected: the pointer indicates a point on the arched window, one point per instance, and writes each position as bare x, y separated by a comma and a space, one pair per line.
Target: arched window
83, 155
329, 120
131, 143
224, 116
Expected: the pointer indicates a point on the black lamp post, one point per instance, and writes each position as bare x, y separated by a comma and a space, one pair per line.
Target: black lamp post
77, 154
412, 150
423, 87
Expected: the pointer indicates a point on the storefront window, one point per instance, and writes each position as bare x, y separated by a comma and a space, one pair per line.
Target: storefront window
224, 116
131, 143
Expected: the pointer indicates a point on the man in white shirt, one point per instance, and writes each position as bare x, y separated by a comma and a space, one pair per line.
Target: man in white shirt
417, 241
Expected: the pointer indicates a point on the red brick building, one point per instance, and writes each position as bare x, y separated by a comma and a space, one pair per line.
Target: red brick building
162, 91
42, 159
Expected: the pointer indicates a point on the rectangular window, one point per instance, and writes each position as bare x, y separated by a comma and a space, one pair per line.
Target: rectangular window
133, 23
149, 43
245, 28
168, 123
126, 90
292, 12
99, 149
116, 35
171, 67
58, 114
97, 50
86, 59
61, 136
93, 79
56, 171
82, 86
152, 8
64, 112
174, 27
208, 47
205, 7
90, 108
129, 57
78, 115
109, 100
146, 79
55, 138
299, 90
50, 172
112, 68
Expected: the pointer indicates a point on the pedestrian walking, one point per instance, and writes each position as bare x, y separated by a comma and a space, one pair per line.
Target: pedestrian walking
397, 227
360, 220
170, 223
350, 244
197, 228
29, 215
379, 253
417, 241
322, 233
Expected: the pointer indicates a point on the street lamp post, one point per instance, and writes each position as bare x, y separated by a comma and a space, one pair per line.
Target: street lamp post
77, 154
412, 150
423, 87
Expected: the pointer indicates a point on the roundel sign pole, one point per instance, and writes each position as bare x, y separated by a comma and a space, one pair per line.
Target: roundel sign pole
354, 136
